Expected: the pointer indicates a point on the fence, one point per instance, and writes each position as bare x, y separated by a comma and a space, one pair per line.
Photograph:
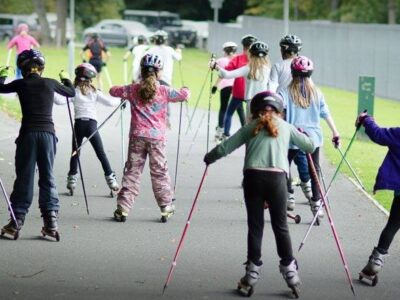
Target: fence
341, 52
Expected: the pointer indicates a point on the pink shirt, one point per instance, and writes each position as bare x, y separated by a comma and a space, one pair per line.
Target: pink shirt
149, 120
223, 62
22, 42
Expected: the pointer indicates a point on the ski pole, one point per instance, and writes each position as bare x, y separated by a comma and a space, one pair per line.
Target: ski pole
183, 84
178, 147
328, 213
78, 158
122, 137
8, 57
99, 127
173, 265
197, 131
209, 106
107, 76
125, 63
9, 204
197, 102
351, 169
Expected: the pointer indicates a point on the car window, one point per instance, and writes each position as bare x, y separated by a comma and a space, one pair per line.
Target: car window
6, 21
118, 28
107, 26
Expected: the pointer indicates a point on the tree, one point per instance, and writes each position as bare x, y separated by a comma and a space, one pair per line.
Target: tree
62, 10
392, 11
92, 11
44, 24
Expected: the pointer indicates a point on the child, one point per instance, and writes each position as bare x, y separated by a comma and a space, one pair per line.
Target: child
148, 101
225, 87
36, 142
85, 102
281, 76
267, 138
388, 178
137, 52
256, 72
22, 41
305, 105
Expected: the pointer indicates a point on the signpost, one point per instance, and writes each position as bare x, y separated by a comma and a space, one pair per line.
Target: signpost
216, 5
366, 96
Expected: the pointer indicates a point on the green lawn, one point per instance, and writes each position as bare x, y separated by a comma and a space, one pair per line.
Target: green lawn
364, 156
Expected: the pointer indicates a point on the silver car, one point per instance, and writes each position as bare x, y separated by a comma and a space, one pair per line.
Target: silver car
117, 32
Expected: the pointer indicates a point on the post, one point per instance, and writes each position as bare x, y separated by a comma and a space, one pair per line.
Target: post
216, 5
366, 96
71, 44
286, 17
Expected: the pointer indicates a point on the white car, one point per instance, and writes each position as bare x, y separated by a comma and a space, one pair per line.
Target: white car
117, 32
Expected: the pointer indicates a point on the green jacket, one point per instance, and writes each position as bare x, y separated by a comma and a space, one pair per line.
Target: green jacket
262, 150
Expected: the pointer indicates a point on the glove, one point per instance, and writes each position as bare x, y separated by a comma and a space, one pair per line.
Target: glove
4, 72
64, 75
123, 106
213, 64
360, 119
213, 90
208, 159
336, 141
104, 64
302, 131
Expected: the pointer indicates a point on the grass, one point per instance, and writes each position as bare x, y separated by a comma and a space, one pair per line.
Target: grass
365, 156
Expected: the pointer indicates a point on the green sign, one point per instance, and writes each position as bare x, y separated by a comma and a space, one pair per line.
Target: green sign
366, 96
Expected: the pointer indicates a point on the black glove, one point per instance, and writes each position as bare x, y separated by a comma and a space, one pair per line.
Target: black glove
360, 119
208, 159
336, 141
123, 106
104, 64
213, 90
84, 60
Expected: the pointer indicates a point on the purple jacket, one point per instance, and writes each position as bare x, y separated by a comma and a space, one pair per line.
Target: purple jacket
388, 177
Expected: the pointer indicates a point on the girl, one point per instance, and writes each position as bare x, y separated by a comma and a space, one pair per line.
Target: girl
36, 142
149, 102
305, 105
85, 102
225, 87
388, 178
267, 138
256, 72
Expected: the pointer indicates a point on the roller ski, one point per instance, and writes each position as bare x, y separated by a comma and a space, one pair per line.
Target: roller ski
50, 227
12, 229
316, 208
248, 281
120, 214
71, 183
166, 212
219, 133
291, 277
112, 184
373, 267
306, 188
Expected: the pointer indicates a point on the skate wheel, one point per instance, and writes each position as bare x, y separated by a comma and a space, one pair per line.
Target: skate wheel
2, 232
111, 194
360, 278
164, 219
16, 236
317, 222
71, 192
297, 219
375, 280
244, 291
57, 236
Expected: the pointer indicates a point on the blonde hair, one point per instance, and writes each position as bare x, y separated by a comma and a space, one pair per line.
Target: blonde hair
84, 85
256, 65
266, 121
148, 86
303, 91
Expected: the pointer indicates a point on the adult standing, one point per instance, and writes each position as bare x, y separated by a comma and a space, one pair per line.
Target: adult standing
137, 51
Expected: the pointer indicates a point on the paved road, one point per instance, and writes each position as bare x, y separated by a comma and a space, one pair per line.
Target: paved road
98, 258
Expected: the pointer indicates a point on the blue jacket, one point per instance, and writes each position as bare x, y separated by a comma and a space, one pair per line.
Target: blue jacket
388, 177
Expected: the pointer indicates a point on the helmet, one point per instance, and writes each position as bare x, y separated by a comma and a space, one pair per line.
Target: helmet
290, 43
27, 57
259, 49
151, 61
22, 27
141, 39
160, 36
229, 47
268, 98
247, 40
302, 66
85, 71
94, 35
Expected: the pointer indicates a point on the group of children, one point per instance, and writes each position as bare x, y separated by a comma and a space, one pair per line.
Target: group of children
284, 109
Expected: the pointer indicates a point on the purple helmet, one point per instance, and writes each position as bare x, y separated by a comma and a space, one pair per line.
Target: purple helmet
86, 71
151, 61
302, 66
29, 57
268, 98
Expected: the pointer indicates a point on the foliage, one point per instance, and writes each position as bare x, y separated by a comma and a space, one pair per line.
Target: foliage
23, 6
90, 12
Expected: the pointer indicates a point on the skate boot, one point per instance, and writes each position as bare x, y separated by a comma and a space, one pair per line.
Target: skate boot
13, 229
315, 205
120, 214
249, 280
50, 227
291, 277
373, 267
71, 183
166, 212
112, 183
306, 188
218, 134
291, 202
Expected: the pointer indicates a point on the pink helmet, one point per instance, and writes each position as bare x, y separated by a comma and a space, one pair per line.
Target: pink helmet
302, 66
22, 27
85, 71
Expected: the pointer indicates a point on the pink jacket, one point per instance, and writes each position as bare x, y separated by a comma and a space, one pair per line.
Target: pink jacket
22, 42
149, 120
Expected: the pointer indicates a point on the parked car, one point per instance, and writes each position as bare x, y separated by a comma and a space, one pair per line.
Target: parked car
164, 20
117, 32
9, 23
201, 28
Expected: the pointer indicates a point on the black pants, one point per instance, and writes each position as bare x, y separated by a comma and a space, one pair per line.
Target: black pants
260, 187
34, 148
224, 96
84, 128
392, 226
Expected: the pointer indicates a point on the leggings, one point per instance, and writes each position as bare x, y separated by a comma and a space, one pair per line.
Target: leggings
235, 104
392, 226
224, 96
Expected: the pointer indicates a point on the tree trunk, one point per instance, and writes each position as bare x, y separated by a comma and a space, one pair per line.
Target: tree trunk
44, 24
392, 11
62, 10
334, 10
296, 10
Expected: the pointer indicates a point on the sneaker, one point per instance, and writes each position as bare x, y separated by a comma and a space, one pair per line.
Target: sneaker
112, 182
166, 212
120, 214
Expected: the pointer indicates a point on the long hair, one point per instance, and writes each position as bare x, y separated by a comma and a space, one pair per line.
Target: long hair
256, 65
84, 85
303, 91
148, 85
266, 121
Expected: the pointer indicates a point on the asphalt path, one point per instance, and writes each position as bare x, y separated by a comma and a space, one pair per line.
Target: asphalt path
98, 258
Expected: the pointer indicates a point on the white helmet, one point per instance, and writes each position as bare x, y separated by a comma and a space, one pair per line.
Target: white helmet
229, 44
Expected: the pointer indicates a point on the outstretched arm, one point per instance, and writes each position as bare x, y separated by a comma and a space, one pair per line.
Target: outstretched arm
381, 136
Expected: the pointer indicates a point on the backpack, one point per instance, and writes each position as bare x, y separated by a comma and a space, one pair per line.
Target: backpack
96, 48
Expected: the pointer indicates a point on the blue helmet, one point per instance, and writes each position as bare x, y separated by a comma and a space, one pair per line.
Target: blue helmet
29, 57
151, 61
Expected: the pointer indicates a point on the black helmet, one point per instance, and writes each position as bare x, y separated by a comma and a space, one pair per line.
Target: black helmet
247, 40
159, 37
141, 39
261, 100
259, 49
290, 43
28, 58
95, 35
85, 71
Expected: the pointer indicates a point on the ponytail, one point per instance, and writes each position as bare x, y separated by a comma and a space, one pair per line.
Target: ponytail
266, 122
84, 85
148, 86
